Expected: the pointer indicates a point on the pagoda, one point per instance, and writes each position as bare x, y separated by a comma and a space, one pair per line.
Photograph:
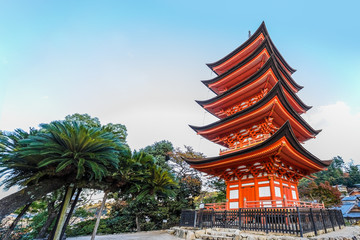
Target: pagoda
260, 125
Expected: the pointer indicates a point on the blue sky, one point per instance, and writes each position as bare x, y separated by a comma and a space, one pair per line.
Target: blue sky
140, 63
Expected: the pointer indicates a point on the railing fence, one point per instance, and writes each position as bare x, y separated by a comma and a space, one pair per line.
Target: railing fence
296, 221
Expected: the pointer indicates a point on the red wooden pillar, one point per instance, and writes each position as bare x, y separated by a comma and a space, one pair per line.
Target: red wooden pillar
272, 190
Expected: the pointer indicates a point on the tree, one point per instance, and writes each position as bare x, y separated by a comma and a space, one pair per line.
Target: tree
322, 192
334, 174
151, 186
160, 151
354, 175
59, 154
13, 225
76, 151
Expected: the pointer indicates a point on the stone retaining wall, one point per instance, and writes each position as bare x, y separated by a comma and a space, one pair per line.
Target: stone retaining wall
347, 233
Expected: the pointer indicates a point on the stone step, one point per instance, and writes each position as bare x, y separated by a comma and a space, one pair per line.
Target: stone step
224, 234
215, 237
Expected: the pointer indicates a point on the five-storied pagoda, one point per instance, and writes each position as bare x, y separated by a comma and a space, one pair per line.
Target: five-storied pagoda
260, 125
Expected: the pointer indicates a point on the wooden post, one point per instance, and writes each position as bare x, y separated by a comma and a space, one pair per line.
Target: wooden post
266, 221
285, 201
331, 219
195, 215
313, 222
225, 218
272, 190
300, 224
240, 219
323, 220
212, 218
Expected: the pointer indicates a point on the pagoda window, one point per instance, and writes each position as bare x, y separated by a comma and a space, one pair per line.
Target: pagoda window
277, 192
234, 194
293, 193
264, 192
234, 205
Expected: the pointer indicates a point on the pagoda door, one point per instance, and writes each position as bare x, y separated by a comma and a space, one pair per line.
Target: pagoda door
287, 193
248, 194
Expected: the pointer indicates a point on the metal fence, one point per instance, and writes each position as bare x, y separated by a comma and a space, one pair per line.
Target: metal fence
296, 221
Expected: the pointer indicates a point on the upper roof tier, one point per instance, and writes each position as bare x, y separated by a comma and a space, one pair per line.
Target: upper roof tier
274, 104
240, 53
251, 90
246, 68
283, 144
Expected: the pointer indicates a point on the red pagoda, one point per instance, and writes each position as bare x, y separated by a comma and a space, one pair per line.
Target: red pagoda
259, 125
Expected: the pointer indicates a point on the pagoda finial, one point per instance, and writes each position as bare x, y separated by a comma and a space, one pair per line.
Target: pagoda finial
249, 33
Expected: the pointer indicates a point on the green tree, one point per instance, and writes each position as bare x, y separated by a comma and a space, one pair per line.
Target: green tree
160, 151
75, 151
334, 174
60, 153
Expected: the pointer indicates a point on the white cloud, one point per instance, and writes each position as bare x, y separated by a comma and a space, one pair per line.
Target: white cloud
340, 132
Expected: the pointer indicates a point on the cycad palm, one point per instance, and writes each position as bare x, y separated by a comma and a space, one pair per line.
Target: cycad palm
60, 153
158, 183
74, 149
16, 169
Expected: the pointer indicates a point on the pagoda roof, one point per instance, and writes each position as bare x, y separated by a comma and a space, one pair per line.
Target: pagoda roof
275, 144
264, 105
270, 64
264, 45
261, 30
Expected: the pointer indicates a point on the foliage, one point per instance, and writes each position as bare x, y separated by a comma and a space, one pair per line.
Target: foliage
117, 129
322, 193
16, 169
160, 151
78, 149
145, 202
338, 173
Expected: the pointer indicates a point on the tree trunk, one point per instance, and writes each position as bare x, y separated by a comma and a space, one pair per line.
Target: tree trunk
99, 215
27, 195
138, 228
17, 219
70, 213
61, 220
45, 227
52, 210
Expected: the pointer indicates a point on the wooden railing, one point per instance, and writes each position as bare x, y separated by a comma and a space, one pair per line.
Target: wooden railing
247, 144
282, 203
267, 204
215, 206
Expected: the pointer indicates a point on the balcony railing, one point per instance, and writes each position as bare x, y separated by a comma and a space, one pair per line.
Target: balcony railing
266, 204
247, 144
